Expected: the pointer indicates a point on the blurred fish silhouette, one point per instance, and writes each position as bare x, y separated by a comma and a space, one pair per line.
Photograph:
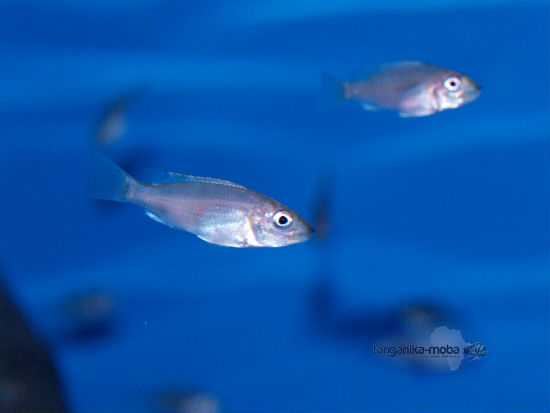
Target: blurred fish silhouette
112, 123
188, 401
475, 350
411, 88
217, 211
88, 315
409, 323
322, 210
28, 378
110, 129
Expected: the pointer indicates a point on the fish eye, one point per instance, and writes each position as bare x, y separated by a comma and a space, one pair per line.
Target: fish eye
452, 83
282, 219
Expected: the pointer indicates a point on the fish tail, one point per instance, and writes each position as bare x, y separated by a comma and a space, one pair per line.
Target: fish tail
333, 90
109, 182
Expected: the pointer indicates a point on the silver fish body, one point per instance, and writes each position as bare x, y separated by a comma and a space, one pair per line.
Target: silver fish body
217, 211
413, 89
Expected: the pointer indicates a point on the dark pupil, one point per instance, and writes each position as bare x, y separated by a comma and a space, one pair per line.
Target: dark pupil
453, 83
283, 220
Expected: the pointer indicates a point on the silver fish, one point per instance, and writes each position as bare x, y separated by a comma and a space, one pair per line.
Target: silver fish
413, 89
217, 211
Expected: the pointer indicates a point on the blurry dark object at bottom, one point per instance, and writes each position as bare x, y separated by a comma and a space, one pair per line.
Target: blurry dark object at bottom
28, 378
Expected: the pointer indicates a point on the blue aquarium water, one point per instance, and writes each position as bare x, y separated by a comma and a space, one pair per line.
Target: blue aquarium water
424, 222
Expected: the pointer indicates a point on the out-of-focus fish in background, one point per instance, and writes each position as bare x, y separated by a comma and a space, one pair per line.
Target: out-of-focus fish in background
188, 401
29, 381
411, 88
217, 211
110, 132
112, 123
87, 315
322, 209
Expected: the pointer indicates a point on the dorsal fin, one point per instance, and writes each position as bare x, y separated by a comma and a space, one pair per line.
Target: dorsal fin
166, 177
369, 70
406, 63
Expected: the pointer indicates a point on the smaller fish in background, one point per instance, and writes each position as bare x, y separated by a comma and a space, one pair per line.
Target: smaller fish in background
112, 123
475, 350
217, 211
188, 401
88, 315
413, 89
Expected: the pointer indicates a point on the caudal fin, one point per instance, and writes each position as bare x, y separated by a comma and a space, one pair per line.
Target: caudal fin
332, 90
109, 181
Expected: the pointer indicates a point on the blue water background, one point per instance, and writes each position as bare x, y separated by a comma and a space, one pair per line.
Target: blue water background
451, 209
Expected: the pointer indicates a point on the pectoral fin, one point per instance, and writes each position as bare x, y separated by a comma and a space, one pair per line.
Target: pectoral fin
417, 113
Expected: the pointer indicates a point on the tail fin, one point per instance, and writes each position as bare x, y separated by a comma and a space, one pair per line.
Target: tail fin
109, 181
332, 90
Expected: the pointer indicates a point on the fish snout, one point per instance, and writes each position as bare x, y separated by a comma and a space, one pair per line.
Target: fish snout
304, 232
471, 89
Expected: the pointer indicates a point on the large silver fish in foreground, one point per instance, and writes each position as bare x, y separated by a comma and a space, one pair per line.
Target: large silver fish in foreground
411, 88
217, 211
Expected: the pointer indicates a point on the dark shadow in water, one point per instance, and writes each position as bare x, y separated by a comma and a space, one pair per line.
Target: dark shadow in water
28, 378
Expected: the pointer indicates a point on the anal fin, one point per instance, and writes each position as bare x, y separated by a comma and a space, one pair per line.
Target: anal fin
417, 113
371, 107
155, 217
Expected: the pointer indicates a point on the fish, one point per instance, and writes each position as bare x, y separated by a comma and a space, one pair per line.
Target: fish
187, 401
87, 315
475, 350
411, 88
215, 210
112, 123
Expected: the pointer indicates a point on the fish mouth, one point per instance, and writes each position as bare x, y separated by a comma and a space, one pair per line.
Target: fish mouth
304, 234
471, 90
309, 234
308, 231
